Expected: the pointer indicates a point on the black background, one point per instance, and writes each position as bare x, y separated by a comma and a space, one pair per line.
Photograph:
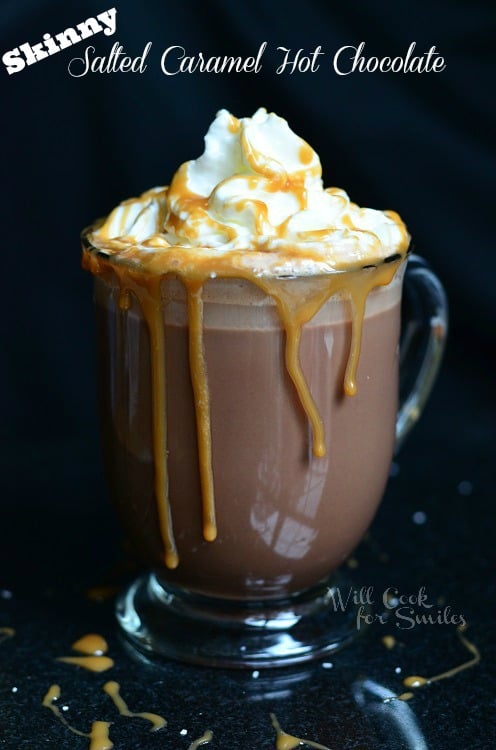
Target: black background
421, 144
73, 148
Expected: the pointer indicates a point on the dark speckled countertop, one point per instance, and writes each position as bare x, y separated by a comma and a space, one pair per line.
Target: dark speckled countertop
435, 530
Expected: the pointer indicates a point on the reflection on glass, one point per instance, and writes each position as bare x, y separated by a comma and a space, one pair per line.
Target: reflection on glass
373, 699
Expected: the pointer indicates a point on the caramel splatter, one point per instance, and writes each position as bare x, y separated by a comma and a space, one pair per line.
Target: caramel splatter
91, 644
99, 733
203, 740
417, 681
286, 741
92, 663
112, 689
389, 641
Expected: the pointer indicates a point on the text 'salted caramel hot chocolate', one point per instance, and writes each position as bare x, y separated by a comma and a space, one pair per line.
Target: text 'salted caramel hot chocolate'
248, 340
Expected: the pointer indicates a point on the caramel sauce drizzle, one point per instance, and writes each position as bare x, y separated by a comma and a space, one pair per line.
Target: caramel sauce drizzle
99, 733
112, 689
148, 293
202, 406
294, 313
295, 310
234, 125
151, 305
362, 286
203, 740
6, 633
286, 741
417, 681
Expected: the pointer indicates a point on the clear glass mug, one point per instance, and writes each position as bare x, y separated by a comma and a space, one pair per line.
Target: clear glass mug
260, 594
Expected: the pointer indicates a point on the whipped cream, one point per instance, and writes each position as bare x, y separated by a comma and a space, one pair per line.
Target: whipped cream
257, 190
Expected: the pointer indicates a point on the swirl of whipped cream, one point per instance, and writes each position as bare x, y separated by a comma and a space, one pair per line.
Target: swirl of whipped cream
257, 189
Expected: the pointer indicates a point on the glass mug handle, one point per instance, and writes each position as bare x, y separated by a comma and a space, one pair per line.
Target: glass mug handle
422, 342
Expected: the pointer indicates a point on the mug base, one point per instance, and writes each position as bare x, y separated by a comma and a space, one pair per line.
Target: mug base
164, 621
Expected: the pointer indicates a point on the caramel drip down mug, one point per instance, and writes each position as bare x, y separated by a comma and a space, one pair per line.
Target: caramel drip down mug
248, 429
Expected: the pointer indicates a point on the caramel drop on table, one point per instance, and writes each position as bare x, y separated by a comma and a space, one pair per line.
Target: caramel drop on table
53, 694
92, 663
389, 641
403, 697
286, 741
91, 644
99, 736
203, 740
112, 689
415, 681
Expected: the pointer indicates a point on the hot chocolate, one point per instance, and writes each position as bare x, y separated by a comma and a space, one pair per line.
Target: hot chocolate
284, 517
248, 327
